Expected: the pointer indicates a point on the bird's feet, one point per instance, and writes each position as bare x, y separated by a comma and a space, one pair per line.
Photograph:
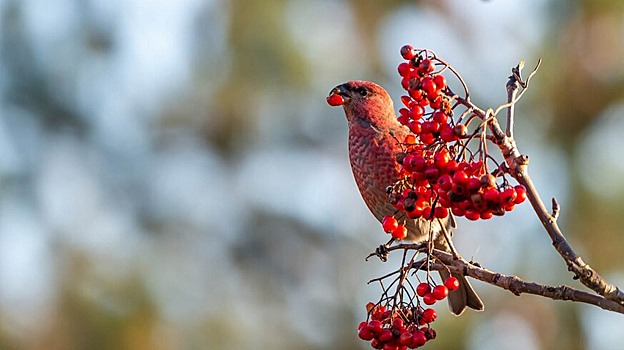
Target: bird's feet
381, 252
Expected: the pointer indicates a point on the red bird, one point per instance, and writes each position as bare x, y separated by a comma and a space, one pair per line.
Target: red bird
373, 144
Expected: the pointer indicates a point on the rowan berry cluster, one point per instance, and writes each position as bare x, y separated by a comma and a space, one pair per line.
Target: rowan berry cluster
425, 88
441, 173
407, 326
408, 329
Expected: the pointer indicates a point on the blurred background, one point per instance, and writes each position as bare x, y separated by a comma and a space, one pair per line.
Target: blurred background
171, 176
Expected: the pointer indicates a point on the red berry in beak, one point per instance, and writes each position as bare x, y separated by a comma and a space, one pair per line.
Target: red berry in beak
335, 100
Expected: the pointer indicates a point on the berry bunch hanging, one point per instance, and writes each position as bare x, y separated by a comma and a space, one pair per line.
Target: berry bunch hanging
407, 325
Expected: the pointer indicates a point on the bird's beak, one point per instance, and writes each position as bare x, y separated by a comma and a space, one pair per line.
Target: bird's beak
339, 95
341, 90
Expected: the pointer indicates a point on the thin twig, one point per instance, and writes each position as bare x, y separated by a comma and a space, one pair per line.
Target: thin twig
555, 209
512, 90
447, 237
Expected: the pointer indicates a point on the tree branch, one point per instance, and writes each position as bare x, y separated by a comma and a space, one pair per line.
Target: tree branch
445, 261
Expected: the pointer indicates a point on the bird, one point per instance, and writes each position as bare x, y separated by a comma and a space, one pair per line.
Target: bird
375, 137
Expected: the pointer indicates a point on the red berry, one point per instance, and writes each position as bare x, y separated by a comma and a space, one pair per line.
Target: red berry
415, 126
460, 130
404, 69
472, 214
428, 85
488, 181
430, 333
416, 112
403, 119
440, 212
399, 233
389, 224
458, 191
418, 163
509, 206
335, 100
436, 101
423, 193
440, 81
439, 117
408, 52
426, 66
520, 194
447, 134
390, 346
491, 195
405, 83
477, 200
473, 184
403, 112
423, 289
427, 138
365, 334
452, 283
369, 306
445, 182
444, 200
508, 196
407, 101
451, 167
375, 327
376, 344
410, 140
460, 177
429, 315
406, 338
458, 211
417, 95
474, 167
397, 324
431, 126
427, 211
416, 213
419, 338
431, 172
429, 299
486, 215
440, 292
386, 335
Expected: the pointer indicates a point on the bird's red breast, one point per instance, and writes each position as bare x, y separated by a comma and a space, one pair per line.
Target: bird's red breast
372, 152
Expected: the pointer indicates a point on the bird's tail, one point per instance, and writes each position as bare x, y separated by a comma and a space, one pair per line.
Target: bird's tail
464, 297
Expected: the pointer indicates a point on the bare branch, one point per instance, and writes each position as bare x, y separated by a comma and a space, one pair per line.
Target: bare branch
516, 285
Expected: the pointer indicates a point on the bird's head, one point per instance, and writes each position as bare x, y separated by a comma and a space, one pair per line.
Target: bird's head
363, 100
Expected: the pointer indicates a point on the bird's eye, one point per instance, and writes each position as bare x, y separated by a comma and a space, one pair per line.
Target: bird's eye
362, 91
